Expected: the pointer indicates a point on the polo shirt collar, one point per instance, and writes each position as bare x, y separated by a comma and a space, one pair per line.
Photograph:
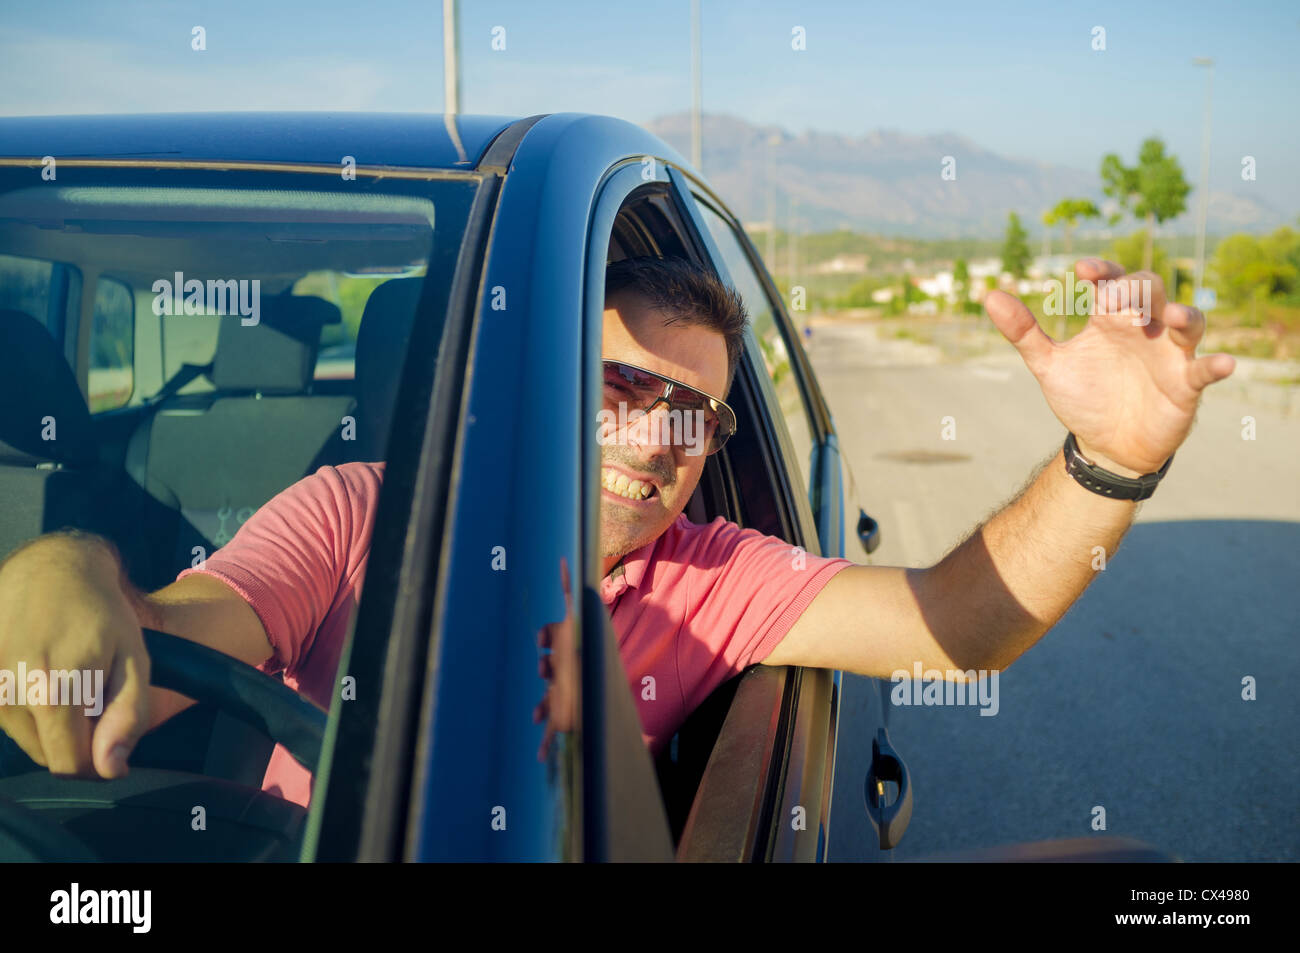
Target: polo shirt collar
627, 573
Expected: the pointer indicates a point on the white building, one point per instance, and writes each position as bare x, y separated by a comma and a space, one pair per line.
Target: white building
843, 265
940, 286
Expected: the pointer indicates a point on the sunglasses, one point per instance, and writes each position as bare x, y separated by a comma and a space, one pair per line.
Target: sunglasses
710, 421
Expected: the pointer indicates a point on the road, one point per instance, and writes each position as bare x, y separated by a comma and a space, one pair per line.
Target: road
1133, 701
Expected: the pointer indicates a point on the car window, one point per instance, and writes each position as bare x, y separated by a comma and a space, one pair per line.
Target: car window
775, 347
336, 357
112, 346
217, 297
25, 285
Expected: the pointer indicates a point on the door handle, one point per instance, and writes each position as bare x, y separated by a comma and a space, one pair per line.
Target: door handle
868, 532
889, 820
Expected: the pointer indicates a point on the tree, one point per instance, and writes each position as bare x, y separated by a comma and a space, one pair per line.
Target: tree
911, 293
1129, 249
859, 293
1283, 249
1068, 212
1015, 248
1154, 190
1246, 271
961, 279
897, 304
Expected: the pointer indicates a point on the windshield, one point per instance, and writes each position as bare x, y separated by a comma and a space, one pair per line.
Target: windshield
183, 345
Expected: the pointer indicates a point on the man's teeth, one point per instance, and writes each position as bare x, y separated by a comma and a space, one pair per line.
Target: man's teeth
619, 483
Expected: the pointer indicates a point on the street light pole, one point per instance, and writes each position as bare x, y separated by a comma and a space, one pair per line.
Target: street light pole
794, 249
772, 140
697, 148
1203, 206
450, 59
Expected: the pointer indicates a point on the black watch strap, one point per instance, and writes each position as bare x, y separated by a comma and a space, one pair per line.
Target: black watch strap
1105, 483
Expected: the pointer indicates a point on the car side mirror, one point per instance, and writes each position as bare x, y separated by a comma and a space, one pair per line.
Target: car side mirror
868, 532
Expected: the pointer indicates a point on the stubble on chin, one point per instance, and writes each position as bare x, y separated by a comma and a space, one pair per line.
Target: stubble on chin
620, 534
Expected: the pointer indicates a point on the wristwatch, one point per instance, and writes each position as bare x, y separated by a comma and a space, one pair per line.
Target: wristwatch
1103, 482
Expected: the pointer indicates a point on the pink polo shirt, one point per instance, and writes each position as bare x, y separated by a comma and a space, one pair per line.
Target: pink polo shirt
691, 609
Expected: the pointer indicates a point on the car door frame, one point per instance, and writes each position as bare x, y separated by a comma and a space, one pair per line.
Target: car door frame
477, 749
378, 812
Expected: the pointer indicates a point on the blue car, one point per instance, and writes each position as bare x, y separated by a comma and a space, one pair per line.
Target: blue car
211, 307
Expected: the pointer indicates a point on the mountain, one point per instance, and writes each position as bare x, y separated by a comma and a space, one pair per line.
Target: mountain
890, 182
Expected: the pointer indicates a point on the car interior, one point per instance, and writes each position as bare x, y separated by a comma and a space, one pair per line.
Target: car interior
186, 433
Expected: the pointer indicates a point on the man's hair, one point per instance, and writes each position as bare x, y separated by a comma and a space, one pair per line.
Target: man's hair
685, 293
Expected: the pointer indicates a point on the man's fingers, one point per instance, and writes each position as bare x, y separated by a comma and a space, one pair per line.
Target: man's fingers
1204, 371
1097, 269
1186, 325
566, 583
21, 727
126, 713
1137, 299
1018, 325
64, 735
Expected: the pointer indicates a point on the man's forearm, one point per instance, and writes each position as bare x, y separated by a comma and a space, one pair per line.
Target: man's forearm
998, 592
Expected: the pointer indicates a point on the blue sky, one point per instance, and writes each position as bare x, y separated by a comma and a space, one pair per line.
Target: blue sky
1019, 79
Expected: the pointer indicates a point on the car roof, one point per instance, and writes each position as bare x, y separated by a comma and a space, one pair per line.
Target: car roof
416, 140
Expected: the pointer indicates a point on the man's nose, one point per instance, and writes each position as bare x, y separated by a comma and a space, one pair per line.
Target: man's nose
652, 431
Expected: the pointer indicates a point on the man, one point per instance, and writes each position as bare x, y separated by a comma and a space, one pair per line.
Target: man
692, 604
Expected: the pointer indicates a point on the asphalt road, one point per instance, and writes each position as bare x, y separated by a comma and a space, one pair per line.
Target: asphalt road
1133, 702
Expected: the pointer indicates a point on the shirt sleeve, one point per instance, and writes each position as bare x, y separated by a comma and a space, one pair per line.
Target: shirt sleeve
289, 560
753, 589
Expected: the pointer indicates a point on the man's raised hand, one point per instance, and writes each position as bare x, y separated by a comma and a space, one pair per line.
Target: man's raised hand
1128, 384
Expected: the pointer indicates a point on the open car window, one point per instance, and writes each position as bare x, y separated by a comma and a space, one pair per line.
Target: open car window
765, 324
748, 483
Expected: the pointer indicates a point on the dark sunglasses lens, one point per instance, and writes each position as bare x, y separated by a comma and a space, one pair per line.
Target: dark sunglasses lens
726, 427
714, 416
631, 386
639, 389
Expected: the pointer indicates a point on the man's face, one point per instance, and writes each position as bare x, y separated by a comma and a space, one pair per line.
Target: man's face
644, 449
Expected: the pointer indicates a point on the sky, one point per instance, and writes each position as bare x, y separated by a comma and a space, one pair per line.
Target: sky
1019, 79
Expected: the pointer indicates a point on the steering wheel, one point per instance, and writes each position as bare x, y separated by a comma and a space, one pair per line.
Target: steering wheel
151, 814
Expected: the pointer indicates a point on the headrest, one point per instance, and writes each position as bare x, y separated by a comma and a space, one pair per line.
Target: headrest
276, 355
381, 351
385, 328
43, 415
